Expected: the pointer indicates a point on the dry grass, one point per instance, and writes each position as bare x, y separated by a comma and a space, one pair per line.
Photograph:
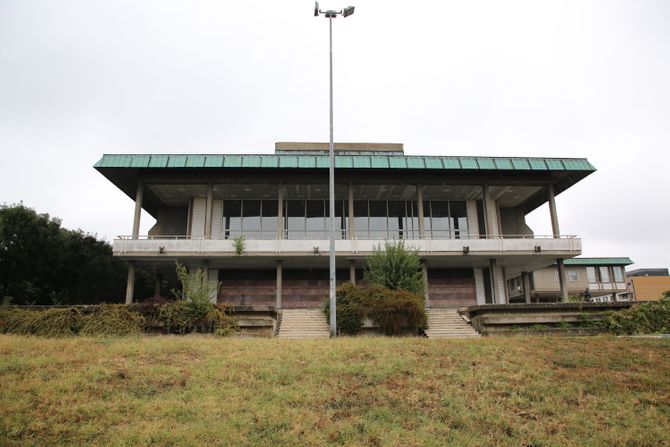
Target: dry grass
197, 390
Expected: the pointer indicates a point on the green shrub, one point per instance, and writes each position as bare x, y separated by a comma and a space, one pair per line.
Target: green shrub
396, 267
46, 323
350, 308
219, 322
112, 320
645, 318
396, 311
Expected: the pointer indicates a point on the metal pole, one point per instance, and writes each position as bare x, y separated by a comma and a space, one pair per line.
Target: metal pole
331, 174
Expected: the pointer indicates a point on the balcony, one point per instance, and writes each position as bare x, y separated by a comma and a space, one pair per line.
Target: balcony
499, 246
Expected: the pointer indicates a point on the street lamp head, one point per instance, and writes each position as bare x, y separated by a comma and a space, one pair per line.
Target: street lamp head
316, 9
349, 10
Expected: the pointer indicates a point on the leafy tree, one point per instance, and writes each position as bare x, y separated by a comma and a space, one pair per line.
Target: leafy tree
395, 267
43, 263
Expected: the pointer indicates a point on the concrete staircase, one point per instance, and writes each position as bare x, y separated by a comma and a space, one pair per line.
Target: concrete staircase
447, 323
303, 323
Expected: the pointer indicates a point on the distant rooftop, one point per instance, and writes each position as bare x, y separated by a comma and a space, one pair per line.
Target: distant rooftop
598, 261
648, 272
284, 147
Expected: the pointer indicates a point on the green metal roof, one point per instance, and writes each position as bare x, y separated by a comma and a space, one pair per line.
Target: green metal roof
598, 261
303, 161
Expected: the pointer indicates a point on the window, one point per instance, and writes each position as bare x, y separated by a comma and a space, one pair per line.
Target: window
573, 275
618, 274
232, 218
604, 274
591, 274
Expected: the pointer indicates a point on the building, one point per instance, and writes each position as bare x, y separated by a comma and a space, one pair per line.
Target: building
648, 284
465, 216
604, 278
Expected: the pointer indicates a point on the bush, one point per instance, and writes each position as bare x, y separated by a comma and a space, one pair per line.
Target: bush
396, 311
395, 267
350, 308
46, 323
112, 320
646, 318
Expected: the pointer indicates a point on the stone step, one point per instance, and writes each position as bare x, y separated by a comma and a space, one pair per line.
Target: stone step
448, 323
303, 323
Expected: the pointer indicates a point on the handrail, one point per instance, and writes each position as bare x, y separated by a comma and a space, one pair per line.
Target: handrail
372, 235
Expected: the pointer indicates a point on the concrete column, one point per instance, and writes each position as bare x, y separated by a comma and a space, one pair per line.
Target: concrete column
562, 280
479, 286
419, 209
424, 272
138, 209
157, 285
205, 271
208, 210
485, 208
525, 279
352, 232
473, 222
352, 271
280, 212
552, 210
493, 269
130, 285
279, 285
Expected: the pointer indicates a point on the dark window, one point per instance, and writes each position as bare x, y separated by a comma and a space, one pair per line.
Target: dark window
232, 216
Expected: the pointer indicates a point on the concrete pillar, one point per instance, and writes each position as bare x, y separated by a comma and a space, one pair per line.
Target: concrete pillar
208, 210
485, 208
352, 233
562, 280
473, 222
352, 271
138, 209
157, 285
552, 211
479, 286
279, 285
419, 209
424, 272
525, 279
130, 285
280, 212
493, 269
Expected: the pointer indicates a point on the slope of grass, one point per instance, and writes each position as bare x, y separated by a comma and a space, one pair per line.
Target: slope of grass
197, 390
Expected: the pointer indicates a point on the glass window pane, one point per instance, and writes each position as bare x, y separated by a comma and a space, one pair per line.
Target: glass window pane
618, 274
378, 221
341, 221
361, 219
316, 219
396, 221
251, 218
604, 274
459, 219
591, 274
573, 275
440, 219
232, 218
295, 219
269, 220
412, 219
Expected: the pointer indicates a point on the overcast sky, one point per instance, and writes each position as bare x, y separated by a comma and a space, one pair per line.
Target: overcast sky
514, 78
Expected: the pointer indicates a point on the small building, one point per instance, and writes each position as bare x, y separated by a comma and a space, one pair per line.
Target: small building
604, 278
464, 215
648, 284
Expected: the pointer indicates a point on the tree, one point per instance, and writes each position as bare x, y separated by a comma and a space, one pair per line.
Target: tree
43, 263
395, 267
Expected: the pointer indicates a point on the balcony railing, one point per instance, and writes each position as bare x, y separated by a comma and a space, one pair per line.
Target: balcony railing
359, 235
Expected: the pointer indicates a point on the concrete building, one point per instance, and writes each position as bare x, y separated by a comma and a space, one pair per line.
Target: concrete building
465, 216
648, 284
604, 278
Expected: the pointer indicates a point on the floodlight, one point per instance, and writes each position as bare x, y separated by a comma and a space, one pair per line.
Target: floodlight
349, 10
316, 9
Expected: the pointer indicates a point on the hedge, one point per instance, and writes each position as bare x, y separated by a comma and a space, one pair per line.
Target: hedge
645, 318
116, 320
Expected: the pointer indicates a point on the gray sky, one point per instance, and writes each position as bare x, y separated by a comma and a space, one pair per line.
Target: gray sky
516, 78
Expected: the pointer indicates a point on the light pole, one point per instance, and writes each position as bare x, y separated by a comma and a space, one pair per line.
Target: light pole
330, 15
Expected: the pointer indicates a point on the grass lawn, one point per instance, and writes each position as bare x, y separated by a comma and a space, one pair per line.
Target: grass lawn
352, 391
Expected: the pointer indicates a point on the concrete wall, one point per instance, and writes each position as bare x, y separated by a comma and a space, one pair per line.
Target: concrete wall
170, 222
451, 287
